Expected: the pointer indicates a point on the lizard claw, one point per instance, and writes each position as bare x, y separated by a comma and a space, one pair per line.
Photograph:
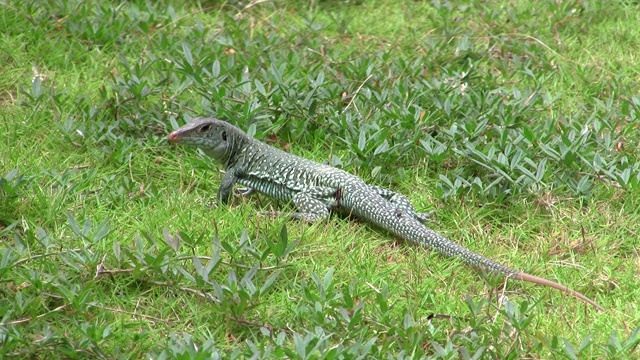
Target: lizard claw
425, 217
245, 191
212, 203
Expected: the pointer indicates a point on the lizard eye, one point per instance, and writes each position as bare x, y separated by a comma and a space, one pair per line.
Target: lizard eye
224, 135
205, 128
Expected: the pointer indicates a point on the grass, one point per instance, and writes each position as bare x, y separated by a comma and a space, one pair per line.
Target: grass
517, 122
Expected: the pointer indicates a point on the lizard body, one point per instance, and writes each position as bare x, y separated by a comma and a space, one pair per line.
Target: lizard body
316, 189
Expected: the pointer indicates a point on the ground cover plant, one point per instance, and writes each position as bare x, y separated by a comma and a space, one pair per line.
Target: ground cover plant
516, 121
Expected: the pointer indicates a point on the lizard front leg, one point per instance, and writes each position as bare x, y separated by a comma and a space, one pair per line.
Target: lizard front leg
226, 186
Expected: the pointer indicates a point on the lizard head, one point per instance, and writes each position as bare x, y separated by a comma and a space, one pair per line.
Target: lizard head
216, 138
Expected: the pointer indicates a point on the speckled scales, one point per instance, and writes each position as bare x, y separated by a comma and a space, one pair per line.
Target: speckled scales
284, 176
316, 189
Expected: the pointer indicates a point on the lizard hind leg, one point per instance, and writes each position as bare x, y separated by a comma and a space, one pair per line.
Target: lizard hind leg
313, 204
402, 203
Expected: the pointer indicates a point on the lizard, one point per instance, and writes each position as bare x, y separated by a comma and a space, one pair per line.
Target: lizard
316, 190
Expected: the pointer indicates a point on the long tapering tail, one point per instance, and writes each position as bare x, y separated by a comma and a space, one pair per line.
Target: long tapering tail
377, 211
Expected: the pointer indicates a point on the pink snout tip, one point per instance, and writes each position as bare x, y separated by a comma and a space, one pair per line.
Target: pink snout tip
173, 137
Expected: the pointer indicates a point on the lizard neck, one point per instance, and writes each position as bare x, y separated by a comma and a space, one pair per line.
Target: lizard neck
237, 144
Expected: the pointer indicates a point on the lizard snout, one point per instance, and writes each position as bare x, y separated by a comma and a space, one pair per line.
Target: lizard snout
173, 137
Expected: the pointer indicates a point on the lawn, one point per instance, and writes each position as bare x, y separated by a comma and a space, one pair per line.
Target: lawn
516, 121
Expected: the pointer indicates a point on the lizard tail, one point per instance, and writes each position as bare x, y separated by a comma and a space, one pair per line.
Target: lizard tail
542, 281
418, 233
377, 211
448, 247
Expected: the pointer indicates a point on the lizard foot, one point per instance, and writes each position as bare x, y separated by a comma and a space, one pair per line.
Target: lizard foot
244, 191
425, 217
